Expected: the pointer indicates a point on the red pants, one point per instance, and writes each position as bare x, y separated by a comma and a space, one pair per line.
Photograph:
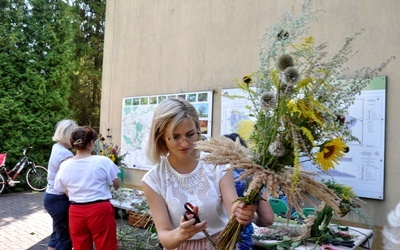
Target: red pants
93, 223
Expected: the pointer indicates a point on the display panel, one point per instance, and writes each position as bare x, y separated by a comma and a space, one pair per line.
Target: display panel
363, 166
137, 116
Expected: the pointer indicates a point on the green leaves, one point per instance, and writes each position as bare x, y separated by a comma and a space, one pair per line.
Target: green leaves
35, 70
89, 40
286, 243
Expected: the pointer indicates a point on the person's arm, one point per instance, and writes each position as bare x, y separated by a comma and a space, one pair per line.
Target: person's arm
244, 213
169, 236
117, 183
265, 216
114, 171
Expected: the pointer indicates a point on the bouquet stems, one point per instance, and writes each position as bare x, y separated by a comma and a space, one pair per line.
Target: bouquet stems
230, 235
228, 238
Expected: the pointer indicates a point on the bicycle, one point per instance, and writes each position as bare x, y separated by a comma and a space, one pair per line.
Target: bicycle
36, 176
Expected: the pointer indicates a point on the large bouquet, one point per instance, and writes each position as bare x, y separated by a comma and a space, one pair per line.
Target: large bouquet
112, 152
300, 99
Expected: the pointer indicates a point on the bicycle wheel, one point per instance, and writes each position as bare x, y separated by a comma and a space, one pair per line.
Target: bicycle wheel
2, 183
36, 178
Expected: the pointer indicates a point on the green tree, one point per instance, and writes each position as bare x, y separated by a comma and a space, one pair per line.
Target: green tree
89, 40
36, 70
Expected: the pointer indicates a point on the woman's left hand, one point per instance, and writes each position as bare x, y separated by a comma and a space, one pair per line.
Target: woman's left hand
244, 213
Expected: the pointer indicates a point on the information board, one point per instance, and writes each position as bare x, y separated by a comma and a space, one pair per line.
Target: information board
363, 166
137, 116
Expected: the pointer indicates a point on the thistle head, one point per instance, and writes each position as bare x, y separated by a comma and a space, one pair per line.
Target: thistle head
291, 75
268, 101
277, 148
285, 61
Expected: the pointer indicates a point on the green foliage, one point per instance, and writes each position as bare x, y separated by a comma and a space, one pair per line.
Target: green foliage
90, 24
321, 222
132, 238
322, 232
36, 64
50, 69
349, 200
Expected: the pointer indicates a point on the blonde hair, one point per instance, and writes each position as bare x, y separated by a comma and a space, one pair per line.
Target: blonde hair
64, 130
168, 113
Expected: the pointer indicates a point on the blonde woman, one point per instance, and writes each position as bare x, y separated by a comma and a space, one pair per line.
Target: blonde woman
180, 176
57, 203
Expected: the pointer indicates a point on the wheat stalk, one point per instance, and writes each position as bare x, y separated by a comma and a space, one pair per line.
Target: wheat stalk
224, 151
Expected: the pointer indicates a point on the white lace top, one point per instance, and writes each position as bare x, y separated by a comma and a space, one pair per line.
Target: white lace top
200, 188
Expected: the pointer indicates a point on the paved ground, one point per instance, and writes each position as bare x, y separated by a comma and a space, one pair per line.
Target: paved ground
25, 224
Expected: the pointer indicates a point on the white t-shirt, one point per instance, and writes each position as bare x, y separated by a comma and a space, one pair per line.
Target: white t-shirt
86, 179
58, 154
200, 188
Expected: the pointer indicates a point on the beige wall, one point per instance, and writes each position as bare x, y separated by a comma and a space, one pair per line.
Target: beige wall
160, 47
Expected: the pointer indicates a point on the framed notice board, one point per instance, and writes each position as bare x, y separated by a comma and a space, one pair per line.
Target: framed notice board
137, 116
363, 166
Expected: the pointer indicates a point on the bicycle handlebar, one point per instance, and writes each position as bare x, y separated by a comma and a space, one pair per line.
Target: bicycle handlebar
25, 150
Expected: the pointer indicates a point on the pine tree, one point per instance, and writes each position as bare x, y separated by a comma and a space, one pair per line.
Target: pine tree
36, 71
90, 42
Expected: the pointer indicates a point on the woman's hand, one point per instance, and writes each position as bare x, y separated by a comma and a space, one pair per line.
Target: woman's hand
188, 228
244, 213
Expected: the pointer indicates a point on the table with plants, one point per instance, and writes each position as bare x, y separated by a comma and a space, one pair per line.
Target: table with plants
281, 235
139, 231
133, 203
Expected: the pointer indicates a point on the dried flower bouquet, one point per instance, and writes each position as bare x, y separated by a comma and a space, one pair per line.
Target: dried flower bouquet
223, 150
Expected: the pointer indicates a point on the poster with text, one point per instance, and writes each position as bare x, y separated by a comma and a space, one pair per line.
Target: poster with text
137, 116
363, 166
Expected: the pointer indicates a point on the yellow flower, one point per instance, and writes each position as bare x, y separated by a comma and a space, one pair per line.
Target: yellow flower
331, 152
245, 128
307, 109
112, 157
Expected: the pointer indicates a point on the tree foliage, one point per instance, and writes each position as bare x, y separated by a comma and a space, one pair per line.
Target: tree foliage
37, 62
90, 23
51, 54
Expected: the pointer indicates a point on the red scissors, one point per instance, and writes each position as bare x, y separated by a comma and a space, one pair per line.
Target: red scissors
189, 210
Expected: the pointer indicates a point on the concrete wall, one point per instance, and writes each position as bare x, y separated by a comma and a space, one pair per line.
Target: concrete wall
159, 47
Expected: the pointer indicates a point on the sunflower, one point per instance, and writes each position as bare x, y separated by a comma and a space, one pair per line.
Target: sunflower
112, 157
331, 152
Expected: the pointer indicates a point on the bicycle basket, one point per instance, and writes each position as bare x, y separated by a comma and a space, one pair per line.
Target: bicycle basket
3, 159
